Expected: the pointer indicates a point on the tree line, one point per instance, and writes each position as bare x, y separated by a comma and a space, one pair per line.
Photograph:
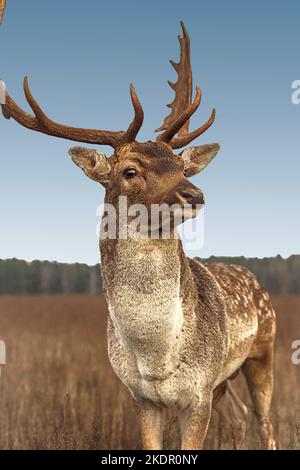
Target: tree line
278, 275
45, 277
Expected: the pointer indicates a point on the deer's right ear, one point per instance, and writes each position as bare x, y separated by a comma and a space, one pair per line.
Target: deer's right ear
94, 164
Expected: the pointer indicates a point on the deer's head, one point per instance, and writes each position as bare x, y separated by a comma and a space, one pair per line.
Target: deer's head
150, 172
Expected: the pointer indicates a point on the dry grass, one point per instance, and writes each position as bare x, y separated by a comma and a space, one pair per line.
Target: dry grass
59, 392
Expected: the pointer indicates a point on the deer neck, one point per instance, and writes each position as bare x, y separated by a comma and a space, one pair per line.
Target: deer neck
144, 295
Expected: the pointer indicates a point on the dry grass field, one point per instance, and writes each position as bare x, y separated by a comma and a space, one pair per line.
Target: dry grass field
59, 392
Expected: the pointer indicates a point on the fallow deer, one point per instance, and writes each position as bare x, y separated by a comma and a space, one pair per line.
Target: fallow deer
177, 329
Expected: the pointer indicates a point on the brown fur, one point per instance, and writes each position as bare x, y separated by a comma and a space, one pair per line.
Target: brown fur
178, 330
223, 329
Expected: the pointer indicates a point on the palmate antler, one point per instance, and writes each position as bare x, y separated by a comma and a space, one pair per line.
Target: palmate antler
41, 123
183, 87
183, 107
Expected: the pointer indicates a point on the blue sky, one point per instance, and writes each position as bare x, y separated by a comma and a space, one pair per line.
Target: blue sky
80, 59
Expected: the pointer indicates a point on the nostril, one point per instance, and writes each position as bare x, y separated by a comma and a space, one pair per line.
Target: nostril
187, 194
192, 196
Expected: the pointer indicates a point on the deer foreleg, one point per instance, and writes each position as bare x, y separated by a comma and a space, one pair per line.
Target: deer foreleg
194, 424
151, 417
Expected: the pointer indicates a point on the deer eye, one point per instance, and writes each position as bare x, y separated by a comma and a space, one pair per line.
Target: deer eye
130, 173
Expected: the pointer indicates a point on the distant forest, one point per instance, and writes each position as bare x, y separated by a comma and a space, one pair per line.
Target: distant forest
45, 277
278, 275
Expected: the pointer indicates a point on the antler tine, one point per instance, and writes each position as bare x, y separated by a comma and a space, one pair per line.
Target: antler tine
2, 8
39, 113
40, 122
177, 143
138, 120
182, 119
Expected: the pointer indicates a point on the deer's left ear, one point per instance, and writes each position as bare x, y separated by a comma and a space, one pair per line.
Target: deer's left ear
94, 164
197, 158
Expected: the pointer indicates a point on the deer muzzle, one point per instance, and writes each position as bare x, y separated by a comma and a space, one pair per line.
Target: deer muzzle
185, 194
